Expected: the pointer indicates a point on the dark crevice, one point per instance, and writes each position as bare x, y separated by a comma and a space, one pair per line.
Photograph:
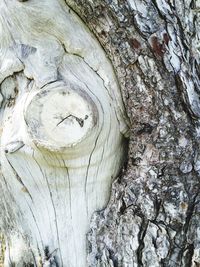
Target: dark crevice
157, 205
190, 211
189, 255
184, 246
20, 180
56, 221
48, 83
79, 120
113, 258
141, 236
184, 99
88, 166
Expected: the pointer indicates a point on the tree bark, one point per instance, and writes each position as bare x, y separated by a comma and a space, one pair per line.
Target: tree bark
153, 215
152, 218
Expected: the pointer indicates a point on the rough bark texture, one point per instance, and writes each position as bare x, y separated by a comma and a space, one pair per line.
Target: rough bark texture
153, 217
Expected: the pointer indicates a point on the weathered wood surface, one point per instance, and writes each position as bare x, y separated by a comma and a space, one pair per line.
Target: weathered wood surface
63, 133
153, 215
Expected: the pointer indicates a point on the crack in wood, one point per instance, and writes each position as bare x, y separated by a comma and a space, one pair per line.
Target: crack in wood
79, 120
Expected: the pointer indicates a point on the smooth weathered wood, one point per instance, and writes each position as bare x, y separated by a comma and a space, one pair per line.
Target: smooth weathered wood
63, 133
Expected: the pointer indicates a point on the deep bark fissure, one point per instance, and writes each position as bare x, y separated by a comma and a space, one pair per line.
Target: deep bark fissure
141, 235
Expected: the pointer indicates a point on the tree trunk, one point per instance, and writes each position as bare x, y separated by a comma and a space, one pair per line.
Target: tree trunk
152, 218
